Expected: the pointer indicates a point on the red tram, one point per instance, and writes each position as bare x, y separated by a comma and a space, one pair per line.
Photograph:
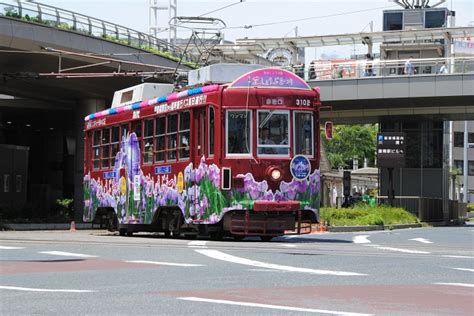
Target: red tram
237, 159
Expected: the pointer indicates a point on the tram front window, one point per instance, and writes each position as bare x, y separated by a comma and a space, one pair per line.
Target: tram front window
273, 133
238, 136
303, 124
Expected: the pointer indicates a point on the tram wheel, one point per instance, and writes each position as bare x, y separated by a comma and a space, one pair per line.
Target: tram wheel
238, 237
122, 232
129, 233
167, 234
266, 238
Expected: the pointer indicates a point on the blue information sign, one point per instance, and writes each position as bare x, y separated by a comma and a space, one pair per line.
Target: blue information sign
109, 175
163, 170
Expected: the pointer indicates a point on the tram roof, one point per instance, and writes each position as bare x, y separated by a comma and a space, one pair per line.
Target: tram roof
263, 78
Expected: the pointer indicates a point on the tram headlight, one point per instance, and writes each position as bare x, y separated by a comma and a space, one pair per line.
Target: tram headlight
275, 174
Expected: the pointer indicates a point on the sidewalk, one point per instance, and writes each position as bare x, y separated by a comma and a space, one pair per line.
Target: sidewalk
46, 226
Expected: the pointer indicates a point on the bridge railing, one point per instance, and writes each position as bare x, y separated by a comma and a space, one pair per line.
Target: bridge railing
71, 21
354, 69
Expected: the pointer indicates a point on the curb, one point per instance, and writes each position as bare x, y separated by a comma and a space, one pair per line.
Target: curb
346, 229
61, 226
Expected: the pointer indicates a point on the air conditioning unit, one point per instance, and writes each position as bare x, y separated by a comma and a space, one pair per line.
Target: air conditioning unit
141, 92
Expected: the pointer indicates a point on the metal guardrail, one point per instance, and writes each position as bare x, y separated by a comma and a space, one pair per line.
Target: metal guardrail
51, 16
356, 69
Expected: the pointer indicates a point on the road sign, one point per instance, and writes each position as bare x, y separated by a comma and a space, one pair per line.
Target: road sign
391, 150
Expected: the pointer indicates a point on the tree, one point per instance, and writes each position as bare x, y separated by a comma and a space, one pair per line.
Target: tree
349, 142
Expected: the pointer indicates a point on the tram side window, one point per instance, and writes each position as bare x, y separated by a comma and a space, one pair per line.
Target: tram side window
238, 132
160, 131
273, 133
184, 135
114, 143
172, 136
211, 131
148, 142
96, 149
105, 145
303, 125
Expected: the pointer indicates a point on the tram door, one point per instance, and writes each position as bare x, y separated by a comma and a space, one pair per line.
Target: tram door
200, 136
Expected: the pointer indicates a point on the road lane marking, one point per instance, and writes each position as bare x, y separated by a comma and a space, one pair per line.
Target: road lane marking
460, 257
10, 248
456, 284
400, 250
269, 306
67, 254
464, 269
27, 289
362, 239
229, 258
166, 263
288, 245
422, 240
197, 244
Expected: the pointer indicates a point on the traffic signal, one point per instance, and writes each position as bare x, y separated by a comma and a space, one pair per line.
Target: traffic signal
328, 129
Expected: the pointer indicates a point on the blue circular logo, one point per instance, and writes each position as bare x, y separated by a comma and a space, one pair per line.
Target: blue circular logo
300, 167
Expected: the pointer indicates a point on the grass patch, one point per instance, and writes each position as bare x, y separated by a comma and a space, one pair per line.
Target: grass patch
361, 215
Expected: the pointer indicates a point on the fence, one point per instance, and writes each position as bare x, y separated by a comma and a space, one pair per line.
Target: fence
75, 22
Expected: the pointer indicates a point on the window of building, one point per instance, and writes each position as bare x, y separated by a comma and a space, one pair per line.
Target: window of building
272, 132
160, 131
211, 131
238, 132
459, 139
184, 135
172, 136
303, 125
148, 142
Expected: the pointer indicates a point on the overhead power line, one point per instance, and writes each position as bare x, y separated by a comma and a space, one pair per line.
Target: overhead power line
306, 19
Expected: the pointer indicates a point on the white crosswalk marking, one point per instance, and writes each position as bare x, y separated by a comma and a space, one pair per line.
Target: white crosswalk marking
166, 263
27, 289
464, 269
362, 239
11, 248
67, 254
422, 240
238, 260
197, 244
456, 284
270, 306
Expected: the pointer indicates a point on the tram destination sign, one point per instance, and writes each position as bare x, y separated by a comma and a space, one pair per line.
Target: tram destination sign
391, 148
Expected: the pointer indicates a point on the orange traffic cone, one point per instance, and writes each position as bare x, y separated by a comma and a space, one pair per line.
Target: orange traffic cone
73, 227
323, 227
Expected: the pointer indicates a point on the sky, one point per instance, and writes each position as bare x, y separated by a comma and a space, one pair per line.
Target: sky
322, 17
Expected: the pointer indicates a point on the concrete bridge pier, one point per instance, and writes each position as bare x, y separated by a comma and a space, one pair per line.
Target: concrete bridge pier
82, 109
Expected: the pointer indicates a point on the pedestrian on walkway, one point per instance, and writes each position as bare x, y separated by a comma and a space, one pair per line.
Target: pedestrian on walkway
409, 69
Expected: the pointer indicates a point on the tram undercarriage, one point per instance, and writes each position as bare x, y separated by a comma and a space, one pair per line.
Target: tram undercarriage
237, 224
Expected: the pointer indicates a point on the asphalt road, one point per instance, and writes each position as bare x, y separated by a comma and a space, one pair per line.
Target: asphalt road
424, 271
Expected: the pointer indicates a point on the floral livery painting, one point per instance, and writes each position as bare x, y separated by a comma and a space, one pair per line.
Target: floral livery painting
135, 196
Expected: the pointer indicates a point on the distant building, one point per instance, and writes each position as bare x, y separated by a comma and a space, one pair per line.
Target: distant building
457, 150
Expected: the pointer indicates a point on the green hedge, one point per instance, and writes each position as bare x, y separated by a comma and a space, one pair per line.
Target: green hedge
361, 214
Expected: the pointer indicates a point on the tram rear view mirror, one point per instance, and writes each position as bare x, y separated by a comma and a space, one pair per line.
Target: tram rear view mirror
328, 129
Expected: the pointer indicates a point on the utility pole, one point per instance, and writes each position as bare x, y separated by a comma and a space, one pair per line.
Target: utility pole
465, 164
